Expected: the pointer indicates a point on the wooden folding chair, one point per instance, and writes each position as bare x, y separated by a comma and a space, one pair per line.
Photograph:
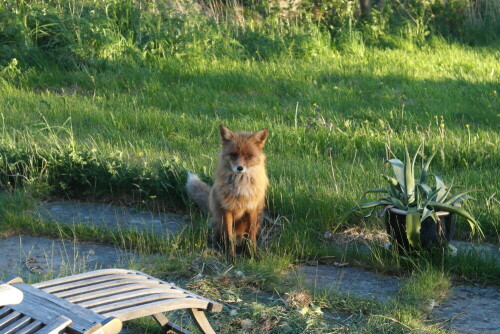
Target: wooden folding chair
128, 294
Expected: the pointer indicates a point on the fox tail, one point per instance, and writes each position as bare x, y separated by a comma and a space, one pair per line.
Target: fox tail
198, 191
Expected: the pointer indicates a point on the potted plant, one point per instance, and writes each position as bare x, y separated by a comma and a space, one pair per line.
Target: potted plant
418, 215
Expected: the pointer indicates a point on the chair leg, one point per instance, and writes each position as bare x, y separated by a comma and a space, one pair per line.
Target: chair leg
167, 325
201, 321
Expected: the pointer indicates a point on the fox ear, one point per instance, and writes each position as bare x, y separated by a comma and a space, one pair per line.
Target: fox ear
260, 137
225, 133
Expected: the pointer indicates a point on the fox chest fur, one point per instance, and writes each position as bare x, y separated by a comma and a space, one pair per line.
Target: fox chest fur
240, 193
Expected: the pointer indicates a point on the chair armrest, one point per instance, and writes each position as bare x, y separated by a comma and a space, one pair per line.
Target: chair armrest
9, 295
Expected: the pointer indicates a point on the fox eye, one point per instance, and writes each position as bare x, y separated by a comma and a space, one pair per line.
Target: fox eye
233, 154
249, 156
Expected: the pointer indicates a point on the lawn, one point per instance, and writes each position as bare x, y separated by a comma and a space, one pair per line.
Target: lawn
348, 107
126, 125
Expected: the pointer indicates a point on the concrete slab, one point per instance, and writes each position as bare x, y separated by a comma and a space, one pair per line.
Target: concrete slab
25, 256
112, 217
352, 281
470, 309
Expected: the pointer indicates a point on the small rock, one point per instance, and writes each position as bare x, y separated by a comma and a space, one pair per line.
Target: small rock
246, 324
429, 306
453, 250
341, 265
239, 274
285, 327
233, 313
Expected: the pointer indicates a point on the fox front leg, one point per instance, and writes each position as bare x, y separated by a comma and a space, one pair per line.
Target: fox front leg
228, 234
253, 231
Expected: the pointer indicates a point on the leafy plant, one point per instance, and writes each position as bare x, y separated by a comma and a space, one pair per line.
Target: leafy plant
416, 198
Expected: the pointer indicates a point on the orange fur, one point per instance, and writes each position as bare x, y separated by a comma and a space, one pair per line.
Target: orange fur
236, 200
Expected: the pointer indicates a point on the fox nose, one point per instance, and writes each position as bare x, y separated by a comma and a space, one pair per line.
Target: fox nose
239, 168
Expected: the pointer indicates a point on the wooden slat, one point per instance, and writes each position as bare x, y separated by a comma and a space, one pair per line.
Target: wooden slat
110, 326
154, 282
18, 325
201, 321
119, 290
31, 328
96, 301
4, 311
12, 280
125, 283
10, 295
89, 282
213, 306
9, 319
56, 326
140, 311
78, 277
143, 301
46, 307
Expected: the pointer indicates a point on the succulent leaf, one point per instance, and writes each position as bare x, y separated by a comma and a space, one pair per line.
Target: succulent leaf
425, 170
442, 188
409, 177
399, 170
413, 225
474, 225
458, 197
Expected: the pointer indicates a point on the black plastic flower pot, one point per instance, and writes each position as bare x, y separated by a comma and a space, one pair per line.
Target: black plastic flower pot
432, 234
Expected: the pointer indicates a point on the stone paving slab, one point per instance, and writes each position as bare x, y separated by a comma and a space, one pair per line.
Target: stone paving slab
353, 281
471, 309
112, 217
483, 250
24, 256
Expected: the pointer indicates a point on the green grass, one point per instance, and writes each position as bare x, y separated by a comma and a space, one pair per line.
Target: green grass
102, 108
353, 105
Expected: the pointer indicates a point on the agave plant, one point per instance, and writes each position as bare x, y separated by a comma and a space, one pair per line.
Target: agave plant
416, 198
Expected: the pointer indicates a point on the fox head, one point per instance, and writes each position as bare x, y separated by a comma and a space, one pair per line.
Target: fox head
242, 151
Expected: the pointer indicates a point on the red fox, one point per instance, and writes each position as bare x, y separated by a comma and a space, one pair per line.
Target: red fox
236, 199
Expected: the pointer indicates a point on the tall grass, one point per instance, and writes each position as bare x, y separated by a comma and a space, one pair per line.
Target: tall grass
72, 33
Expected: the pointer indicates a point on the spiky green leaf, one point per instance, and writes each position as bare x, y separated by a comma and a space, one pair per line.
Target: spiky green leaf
425, 188
428, 213
413, 227
425, 170
460, 196
442, 188
409, 177
399, 170
392, 181
367, 205
474, 224
398, 204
